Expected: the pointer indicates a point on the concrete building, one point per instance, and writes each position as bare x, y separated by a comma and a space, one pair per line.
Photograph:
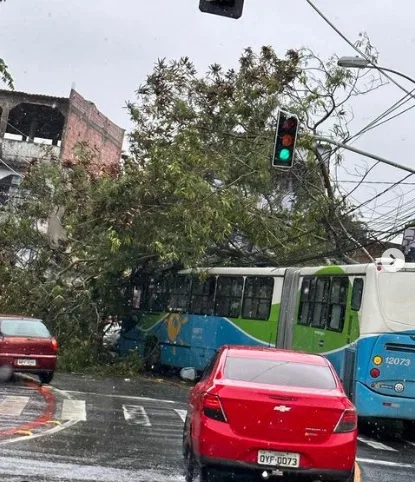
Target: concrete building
42, 127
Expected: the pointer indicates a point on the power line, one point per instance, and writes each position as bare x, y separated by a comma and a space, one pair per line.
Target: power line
366, 57
375, 182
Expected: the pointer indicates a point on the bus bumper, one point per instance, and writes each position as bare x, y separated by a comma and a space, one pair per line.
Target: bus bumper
373, 404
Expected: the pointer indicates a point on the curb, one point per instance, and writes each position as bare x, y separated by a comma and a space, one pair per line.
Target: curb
358, 473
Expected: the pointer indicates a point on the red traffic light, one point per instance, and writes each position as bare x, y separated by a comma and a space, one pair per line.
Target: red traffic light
287, 140
290, 123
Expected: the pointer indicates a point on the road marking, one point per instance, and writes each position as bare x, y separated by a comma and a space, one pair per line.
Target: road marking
386, 463
29, 468
73, 410
182, 414
136, 415
13, 406
408, 442
357, 473
127, 397
375, 444
51, 431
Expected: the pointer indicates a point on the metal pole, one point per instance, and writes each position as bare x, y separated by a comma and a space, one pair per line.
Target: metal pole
392, 71
364, 153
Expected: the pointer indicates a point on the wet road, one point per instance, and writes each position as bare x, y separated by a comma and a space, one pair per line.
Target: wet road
125, 431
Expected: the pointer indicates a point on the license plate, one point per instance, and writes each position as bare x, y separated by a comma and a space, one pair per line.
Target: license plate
26, 362
278, 459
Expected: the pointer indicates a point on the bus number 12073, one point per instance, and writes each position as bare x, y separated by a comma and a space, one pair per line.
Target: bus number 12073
391, 360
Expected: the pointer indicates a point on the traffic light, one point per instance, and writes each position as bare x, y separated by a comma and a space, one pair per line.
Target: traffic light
225, 8
285, 139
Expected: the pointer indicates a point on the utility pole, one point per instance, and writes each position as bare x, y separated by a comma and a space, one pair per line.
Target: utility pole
328, 140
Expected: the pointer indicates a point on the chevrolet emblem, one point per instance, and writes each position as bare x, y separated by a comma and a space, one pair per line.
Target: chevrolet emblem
282, 408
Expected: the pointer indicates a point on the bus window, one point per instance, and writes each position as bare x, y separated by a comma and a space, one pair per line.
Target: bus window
257, 298
156, 299
338, 299
228, 296
357, 294
180, 293
307, 295
203, 296
320, 303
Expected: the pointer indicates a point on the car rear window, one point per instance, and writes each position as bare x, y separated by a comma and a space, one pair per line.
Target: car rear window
24, 328
279, 372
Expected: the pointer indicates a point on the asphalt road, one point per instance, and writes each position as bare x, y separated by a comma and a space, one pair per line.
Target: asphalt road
116, 430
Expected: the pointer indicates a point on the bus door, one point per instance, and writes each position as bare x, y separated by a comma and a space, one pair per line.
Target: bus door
288, 306
333, 322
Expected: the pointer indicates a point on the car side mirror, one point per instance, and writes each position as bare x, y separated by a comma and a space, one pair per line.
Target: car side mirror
189, 374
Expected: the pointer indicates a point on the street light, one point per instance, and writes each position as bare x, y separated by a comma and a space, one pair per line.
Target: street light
361, 63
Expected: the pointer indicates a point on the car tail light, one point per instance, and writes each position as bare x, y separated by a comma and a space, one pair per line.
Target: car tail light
55, 345
347, 422
375, 373
212, 407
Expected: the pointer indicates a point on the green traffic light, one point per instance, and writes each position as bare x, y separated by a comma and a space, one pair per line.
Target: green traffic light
284, 155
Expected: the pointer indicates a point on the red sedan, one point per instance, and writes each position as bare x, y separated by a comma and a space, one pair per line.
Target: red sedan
272, 413
27, 346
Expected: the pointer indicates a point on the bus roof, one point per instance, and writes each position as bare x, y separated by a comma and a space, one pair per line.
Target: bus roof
352, 269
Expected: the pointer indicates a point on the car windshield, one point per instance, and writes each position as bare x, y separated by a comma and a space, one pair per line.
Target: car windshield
279, 372
24, 328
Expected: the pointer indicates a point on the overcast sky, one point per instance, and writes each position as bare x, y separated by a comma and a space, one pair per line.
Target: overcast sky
108, 47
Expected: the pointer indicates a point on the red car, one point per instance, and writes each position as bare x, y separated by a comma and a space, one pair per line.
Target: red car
269, 412
27, 346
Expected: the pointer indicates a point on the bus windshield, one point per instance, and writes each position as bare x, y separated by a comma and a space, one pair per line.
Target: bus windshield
396, 295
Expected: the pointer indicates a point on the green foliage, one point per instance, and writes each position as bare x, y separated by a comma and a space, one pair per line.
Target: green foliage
197, 189
79, 357
5, 75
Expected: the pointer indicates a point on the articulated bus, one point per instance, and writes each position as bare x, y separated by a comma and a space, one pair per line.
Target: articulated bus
361, 317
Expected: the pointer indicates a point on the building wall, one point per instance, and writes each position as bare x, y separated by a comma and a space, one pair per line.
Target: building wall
85, 123
15, 152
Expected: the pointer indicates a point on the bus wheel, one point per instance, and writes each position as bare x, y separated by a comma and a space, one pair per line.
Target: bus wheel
408, 429
152, 354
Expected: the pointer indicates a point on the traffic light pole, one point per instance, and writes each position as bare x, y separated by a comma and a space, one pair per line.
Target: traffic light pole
328, 140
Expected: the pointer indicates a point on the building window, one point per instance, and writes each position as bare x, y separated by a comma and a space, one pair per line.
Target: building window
323, 302
203, 296
257, 298
229, 296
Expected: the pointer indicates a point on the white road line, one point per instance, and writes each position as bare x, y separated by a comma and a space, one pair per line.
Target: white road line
73, 410
408, 442
375, 444
13, 406
136, 415
182, 414
386, 463
20, 468
126, 397
51, 431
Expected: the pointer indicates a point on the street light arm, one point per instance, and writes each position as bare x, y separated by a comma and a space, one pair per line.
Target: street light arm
364, 153
392, 71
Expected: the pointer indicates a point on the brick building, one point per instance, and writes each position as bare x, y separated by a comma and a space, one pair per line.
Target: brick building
34, 127
42, 127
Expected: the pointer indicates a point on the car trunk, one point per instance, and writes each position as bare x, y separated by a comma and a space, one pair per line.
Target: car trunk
279, 414
26, 346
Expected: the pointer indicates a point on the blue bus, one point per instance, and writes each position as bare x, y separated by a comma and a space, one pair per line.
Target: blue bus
361, 317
